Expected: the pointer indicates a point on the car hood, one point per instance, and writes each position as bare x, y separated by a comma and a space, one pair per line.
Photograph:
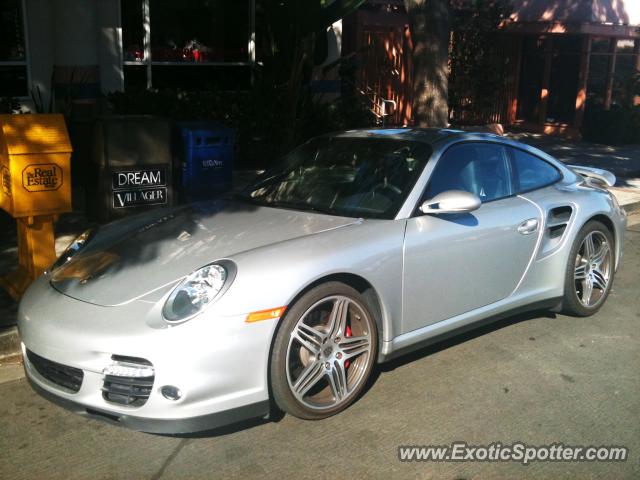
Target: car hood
132, 258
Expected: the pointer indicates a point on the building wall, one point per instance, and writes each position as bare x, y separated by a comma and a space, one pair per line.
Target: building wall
40, 48
79, 40
109, 45
73, 24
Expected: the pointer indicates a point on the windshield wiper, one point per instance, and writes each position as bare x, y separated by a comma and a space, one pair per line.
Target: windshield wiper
301, 206
241, 197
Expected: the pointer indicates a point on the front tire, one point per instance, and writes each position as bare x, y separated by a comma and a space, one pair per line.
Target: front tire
590, 270
324, 352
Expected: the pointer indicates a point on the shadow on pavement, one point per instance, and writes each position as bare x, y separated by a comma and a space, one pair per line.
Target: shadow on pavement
456, 340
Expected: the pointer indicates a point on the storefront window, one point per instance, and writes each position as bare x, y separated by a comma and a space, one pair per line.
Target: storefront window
132, 30
202, 77
199, 30
171, 38
135, 77
531, 76
623, 80
601, 56
598, 67
13, 58
563, 82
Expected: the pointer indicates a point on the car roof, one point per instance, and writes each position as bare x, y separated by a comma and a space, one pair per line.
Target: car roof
439, 138
425, 135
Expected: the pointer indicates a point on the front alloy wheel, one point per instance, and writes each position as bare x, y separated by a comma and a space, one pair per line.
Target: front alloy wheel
324, 352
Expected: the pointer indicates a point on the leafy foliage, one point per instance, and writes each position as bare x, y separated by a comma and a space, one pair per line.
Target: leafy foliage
616, 126
291, 31
293, 38
9, 105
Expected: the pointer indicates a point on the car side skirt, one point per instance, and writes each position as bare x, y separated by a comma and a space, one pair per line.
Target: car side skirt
434, 334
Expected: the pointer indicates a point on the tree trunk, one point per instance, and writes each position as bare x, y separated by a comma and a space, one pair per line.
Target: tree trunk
429, 21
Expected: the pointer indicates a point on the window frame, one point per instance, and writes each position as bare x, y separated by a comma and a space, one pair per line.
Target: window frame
26, 63
514, 170
509, 160
148, 62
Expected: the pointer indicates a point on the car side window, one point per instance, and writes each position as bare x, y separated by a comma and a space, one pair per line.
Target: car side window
531, 172
479, 168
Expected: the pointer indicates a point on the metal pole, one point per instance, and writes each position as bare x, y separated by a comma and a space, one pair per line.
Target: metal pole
146, 21
252, 38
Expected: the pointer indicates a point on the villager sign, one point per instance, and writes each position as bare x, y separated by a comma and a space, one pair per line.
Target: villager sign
136, 198
135, 188
42, 177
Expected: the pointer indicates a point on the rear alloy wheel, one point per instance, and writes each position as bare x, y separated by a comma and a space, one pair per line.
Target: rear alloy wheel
324, 352
590, 271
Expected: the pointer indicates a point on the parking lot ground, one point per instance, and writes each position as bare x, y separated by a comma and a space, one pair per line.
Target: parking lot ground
538, 378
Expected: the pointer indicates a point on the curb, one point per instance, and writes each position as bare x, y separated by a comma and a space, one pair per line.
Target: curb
10, 351
632, 207
11, 372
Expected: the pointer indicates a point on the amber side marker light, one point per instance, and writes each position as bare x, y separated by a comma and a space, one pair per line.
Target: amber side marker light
270, 314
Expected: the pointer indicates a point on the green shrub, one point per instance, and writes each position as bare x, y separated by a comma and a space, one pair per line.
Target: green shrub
616, 126
9, 105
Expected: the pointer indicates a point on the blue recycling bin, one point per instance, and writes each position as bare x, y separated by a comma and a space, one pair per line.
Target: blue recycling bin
205, 152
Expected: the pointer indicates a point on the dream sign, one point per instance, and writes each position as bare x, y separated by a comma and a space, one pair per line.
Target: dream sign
143, 178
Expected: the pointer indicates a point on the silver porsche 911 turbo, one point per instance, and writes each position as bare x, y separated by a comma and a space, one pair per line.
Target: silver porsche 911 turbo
357, 247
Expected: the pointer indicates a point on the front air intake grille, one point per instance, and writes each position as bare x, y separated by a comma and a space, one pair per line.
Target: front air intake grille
128, 390
69, 378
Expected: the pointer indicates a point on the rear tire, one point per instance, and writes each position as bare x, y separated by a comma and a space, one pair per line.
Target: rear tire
590, 270
324, 352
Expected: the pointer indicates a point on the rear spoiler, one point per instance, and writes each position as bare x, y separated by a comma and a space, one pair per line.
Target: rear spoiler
589, 173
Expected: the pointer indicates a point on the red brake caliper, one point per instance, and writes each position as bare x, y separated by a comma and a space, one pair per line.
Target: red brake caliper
347, 333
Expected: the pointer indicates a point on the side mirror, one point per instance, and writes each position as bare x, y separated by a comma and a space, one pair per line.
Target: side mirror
451, 201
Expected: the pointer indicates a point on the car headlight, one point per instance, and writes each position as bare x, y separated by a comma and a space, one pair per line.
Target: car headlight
198, 290
75, 246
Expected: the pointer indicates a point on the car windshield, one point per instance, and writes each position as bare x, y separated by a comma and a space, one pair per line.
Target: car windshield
352, 177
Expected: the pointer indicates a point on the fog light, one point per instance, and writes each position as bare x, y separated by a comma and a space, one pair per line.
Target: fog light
170, 392
120, 369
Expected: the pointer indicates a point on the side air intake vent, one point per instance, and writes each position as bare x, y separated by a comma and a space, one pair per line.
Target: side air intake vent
557, 221
69, 378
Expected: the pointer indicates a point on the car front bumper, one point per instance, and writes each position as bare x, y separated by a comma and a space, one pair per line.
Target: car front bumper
158, 425
219, 364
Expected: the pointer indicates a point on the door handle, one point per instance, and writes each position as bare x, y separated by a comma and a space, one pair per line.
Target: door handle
528, 226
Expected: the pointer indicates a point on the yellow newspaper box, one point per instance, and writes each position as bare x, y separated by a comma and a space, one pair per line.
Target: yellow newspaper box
35, 155
35, 175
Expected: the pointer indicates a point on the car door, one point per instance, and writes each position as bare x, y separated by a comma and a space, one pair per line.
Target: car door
456, 263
